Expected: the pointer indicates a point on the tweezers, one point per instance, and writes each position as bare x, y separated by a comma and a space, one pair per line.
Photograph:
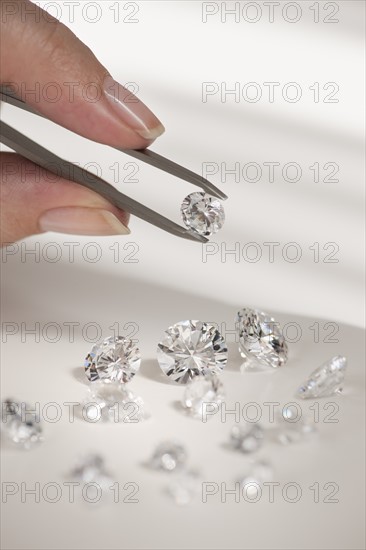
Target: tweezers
39, 155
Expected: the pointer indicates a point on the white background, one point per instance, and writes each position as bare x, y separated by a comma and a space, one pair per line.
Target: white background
170, 53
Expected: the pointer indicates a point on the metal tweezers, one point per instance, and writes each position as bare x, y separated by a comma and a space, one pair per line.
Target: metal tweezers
41, 156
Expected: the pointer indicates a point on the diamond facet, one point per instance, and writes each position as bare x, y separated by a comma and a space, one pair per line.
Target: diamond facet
169, 456
114, 403
202, 213
21, 424
201, 392
260, 338
292, 427
116, 359
247, 437
326, 380
191, 348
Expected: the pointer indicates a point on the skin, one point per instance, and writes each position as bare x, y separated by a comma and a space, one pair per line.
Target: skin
31, 201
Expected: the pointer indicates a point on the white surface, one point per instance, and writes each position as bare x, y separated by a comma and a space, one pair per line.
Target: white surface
169, 53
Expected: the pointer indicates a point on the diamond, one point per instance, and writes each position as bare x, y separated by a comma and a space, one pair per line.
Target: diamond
200, 392
21, 424
91, 469
258, 473
260, 338
115, 359
203, 214
184, 487
326, 380
114, 403
292, 427
191, 348
247, 437
169, 456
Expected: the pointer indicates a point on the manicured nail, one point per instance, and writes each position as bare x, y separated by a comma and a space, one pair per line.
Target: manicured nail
131, 110
82, 221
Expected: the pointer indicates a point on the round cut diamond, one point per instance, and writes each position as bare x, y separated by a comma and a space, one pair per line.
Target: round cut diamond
191, 348
113, 402
202, 213
201, 392
21, 424
169, 456
116, 359
90, 469
257, 473
260, 338
247, 437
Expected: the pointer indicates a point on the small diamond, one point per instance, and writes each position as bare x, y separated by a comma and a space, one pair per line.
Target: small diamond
191, 348
325, 380
184, 487
247, 437
116, 359
258, 473
169, 456
202, 213
21, 424
114, 403
201, 392
260, 338
91, 469
292, 427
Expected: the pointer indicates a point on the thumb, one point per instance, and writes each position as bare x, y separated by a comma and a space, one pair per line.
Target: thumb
33, 201
54, 72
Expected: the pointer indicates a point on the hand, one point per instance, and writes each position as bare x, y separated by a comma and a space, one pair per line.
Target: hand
37, 50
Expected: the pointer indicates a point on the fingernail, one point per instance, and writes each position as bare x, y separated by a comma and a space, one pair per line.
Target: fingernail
131, 110
82, 221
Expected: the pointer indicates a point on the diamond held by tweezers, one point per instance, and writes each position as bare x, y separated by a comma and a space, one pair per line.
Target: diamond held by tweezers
326, 380
203, 214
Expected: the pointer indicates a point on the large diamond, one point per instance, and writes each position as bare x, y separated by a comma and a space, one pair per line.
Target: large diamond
114, 403
191, 348
116, 359
200, 392
260, 338
21, 424
202, 213
325, 380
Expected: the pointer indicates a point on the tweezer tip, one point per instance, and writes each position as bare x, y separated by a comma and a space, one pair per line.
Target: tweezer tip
196, 237
212, 190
